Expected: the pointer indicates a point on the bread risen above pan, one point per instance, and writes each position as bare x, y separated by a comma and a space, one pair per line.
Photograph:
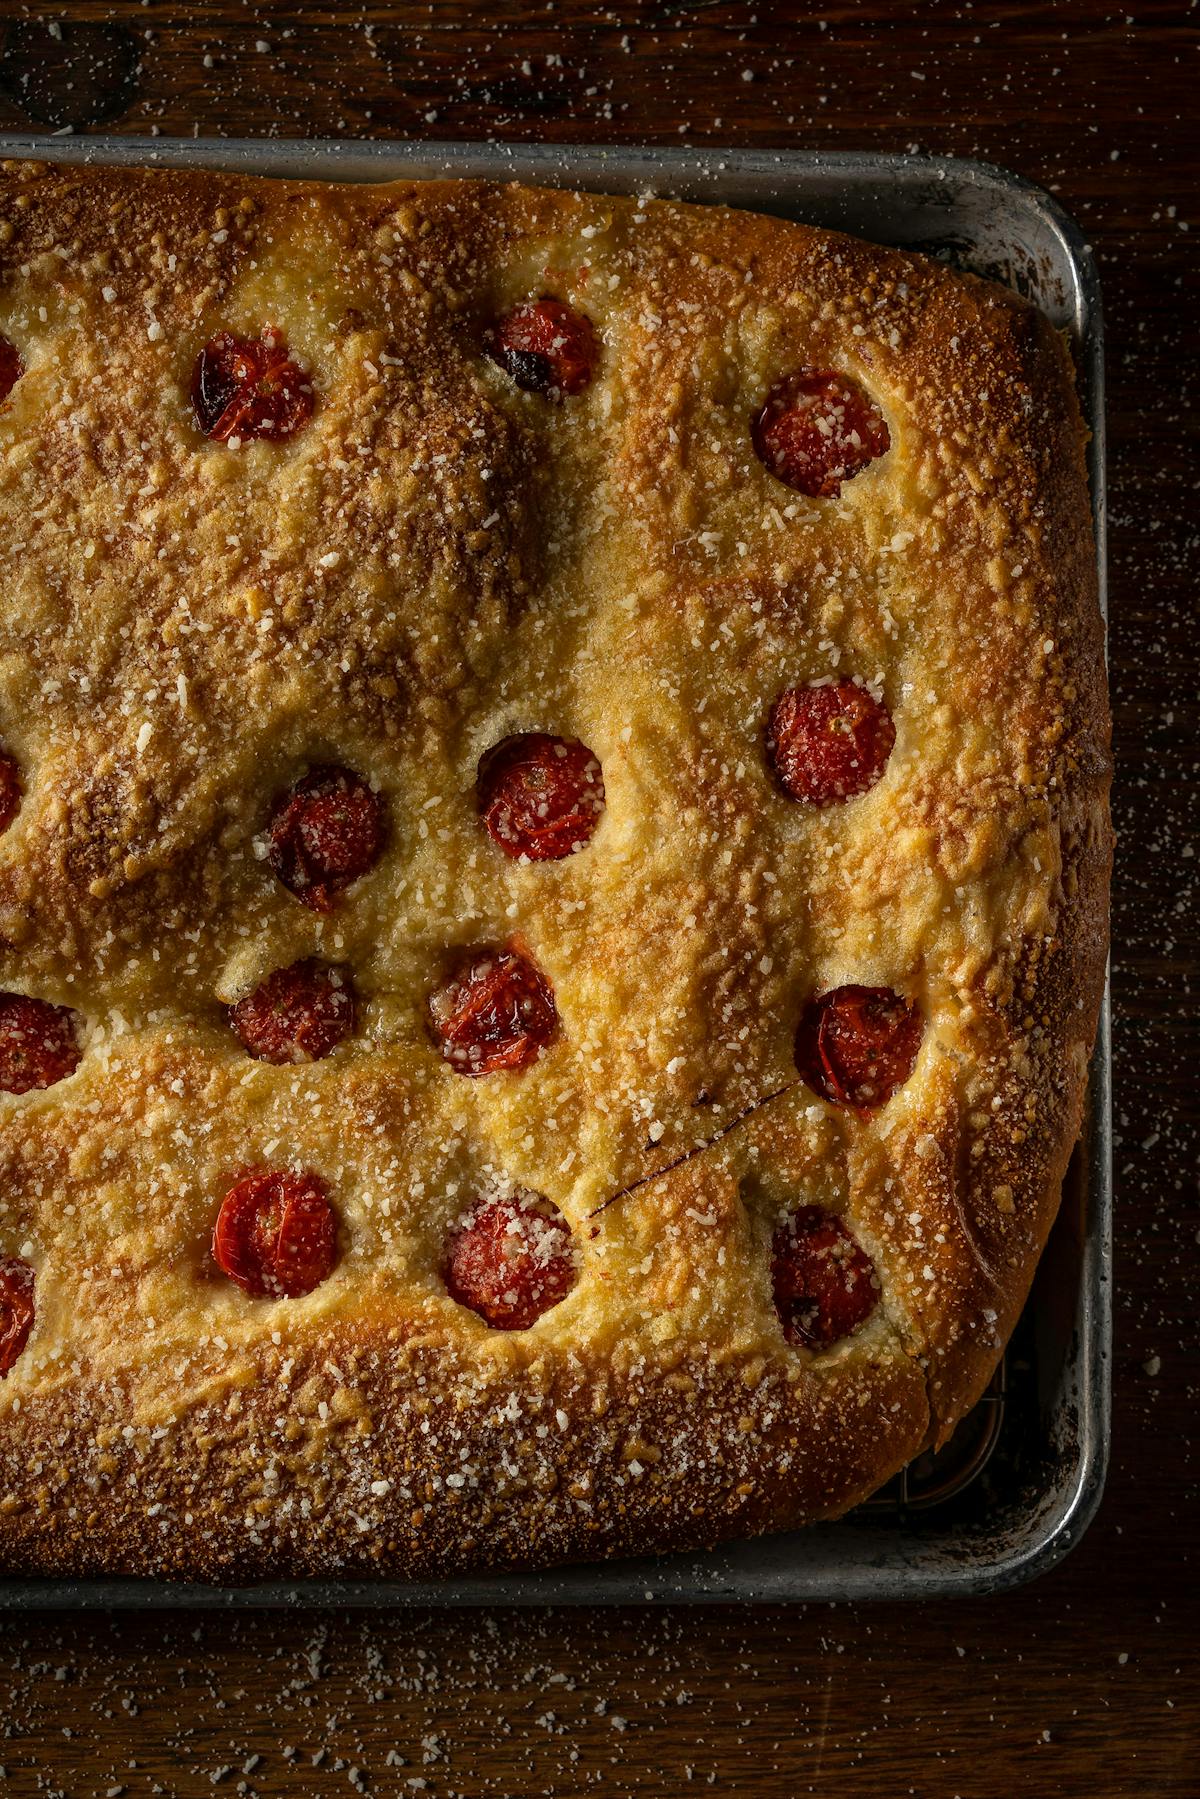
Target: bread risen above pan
554, 867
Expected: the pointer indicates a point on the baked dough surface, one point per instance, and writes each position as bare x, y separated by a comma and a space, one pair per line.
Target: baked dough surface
437, 560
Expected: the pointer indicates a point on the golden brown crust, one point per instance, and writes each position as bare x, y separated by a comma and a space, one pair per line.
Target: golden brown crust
435, 561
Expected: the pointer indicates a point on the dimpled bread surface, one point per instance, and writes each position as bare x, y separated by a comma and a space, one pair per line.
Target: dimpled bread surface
437, 560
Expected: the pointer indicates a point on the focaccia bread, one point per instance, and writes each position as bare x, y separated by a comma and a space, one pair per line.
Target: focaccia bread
554, 872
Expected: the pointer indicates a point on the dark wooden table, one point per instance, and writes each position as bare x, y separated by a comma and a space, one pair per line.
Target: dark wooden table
1086, 1683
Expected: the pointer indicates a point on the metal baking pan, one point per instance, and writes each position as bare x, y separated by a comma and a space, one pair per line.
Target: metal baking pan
1022, 1478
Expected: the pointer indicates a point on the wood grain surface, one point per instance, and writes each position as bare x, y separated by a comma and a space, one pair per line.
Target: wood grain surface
1086, 1683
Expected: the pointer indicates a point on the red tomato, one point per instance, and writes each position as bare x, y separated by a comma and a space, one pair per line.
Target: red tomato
856, 1045
817, 429
12, 367
325, 834
38, 1043
540, 797
10, 790
16, 1309
297, 1014
245, 387
512, 1260
545, 347
824, 1284
829, 742
276, 1234
496, 1010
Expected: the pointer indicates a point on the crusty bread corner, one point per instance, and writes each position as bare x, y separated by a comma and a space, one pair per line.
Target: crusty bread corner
437, 560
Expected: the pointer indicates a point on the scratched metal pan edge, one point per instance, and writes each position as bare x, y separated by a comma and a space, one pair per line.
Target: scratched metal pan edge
1035, 1495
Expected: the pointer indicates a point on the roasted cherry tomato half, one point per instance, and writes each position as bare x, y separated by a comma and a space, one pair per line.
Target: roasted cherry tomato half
246, 387
824, 1284
16, 1309
511, 1261
12, 367
546, 347
829, 742
856, 1045
10, 790
540, 797
298, 1014
39, 1043
818, 429
276, 1233
495, 1010
324, 834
